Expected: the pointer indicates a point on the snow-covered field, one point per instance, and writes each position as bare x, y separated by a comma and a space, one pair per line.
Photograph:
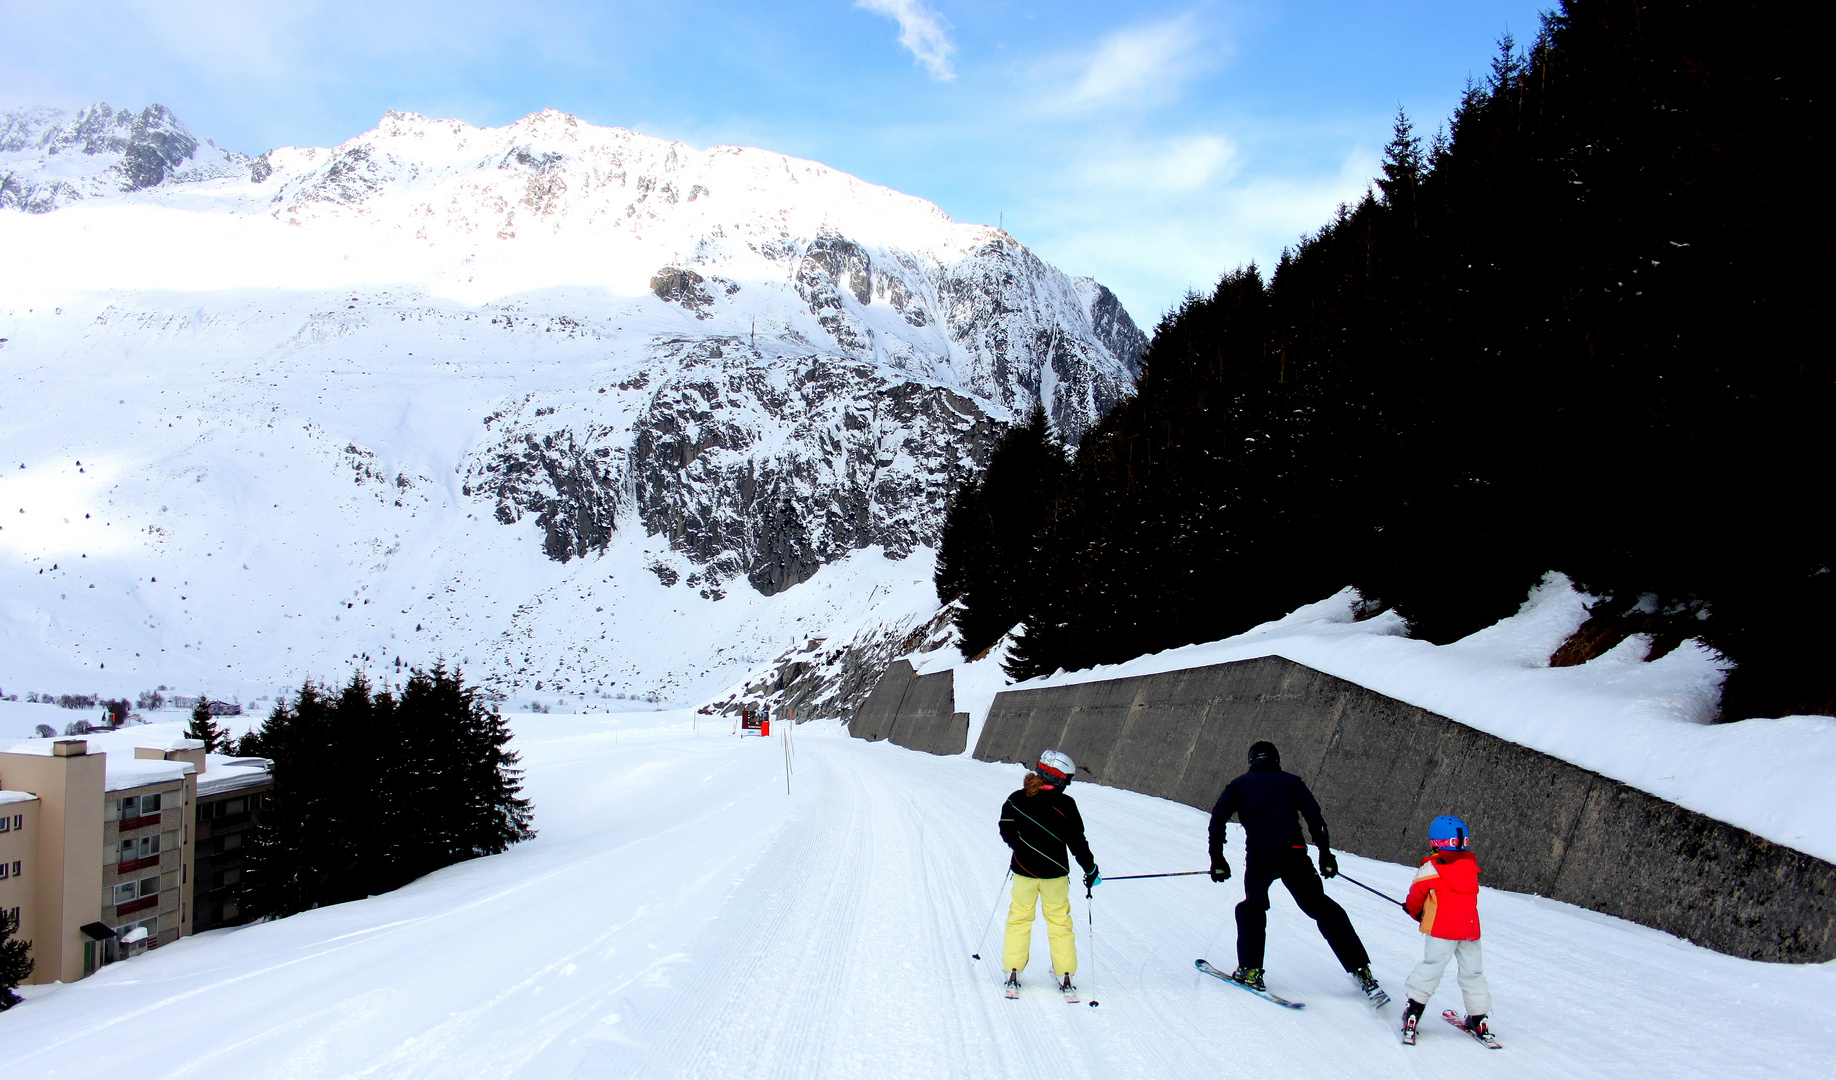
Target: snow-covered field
681, 915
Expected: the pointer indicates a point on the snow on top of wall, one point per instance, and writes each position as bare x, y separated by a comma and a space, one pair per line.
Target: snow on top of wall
1643, 723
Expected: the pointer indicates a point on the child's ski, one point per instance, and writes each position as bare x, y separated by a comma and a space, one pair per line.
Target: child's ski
1070, 992
1489, 1040
1205, 966
1011, 988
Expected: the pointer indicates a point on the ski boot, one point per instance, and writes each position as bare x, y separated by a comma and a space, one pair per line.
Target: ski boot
1012, 986
1248, 976
1475, 1026
1069, 989
1368, 983
1412, 1015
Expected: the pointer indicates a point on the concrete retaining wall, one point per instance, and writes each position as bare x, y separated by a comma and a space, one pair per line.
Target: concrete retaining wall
914, 711
1382, 769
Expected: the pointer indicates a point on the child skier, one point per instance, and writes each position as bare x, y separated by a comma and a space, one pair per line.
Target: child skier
1039, 823
1445, 898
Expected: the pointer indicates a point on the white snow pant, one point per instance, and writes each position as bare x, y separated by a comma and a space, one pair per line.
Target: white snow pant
1426, 977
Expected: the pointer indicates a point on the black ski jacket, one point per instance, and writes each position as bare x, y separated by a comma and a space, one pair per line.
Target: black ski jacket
1040, 829
1270, 804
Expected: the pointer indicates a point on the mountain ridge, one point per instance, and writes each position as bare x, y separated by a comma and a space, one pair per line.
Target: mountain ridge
618, 363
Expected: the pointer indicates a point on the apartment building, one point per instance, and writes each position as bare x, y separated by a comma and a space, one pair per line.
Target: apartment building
99, 844
230, 796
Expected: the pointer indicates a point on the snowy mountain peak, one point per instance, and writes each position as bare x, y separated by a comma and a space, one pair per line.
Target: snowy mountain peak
49, 158
522, 381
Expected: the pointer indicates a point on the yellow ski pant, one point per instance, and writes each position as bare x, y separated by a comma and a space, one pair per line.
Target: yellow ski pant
1054, 896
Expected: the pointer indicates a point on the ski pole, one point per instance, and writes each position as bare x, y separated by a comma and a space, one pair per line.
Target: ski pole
1135, 877
977, 954
1090, 923
1367, 889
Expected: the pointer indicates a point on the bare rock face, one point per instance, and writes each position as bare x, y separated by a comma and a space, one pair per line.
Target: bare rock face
754, 466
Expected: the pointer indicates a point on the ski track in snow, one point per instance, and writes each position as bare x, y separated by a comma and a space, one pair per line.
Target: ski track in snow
681, 916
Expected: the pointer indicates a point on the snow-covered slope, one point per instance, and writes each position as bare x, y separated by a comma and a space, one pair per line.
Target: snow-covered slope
566, 403
680, 915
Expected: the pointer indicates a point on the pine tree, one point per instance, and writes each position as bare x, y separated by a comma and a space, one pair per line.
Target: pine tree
1402, 164
205, 729
16, 962
1529, 354
1014, 504
372, 789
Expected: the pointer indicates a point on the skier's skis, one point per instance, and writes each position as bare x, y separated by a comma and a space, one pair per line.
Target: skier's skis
1408, 1035
1070, 992
1011, 988
1375, 995
1205, 966
1489, 1040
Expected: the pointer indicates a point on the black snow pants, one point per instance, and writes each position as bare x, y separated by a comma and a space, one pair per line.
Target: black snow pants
1294, 870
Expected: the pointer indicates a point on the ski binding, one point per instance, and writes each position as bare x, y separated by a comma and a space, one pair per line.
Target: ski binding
1487, 1039
1206, 967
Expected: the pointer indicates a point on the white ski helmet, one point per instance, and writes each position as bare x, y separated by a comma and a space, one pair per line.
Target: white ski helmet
1055, 768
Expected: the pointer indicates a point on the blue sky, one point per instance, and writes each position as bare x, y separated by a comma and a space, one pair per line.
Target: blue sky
1152, 145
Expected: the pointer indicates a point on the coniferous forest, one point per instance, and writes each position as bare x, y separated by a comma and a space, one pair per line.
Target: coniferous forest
373, 789
1573, 331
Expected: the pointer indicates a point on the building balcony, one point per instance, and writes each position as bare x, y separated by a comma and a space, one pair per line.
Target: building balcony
128, 823
136, 864
145, 903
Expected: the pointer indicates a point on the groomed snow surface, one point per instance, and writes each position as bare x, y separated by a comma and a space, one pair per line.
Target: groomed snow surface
680, 915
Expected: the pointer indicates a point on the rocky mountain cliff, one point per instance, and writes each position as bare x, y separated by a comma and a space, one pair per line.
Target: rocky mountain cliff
732, 366
49, 158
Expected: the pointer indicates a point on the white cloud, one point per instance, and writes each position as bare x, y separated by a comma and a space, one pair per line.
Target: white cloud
1137, 65
922, 30
1174, 164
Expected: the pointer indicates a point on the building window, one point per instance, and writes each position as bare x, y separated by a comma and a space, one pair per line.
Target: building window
138, 806
129, 891
5, 823
145, 847
3, 872
16, 865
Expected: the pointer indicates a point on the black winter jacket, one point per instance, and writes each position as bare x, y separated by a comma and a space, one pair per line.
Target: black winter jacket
1039, 829
1270, 804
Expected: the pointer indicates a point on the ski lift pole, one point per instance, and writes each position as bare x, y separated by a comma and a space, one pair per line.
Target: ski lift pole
786, 763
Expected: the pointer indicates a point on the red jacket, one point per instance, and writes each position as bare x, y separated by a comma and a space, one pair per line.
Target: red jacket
1445, 896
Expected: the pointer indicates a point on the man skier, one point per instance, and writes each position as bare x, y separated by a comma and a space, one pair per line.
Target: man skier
1269, 803
1039, 823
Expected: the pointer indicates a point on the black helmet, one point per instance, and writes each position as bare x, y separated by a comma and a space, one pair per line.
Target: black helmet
1263, 751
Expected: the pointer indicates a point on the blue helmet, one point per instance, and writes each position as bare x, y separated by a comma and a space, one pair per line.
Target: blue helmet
1448, 833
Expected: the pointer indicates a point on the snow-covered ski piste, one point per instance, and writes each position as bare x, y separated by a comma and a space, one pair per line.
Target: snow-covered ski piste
681, 915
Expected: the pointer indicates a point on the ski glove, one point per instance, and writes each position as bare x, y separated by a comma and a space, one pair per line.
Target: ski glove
1220, 869
1092, 878
1329, 863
